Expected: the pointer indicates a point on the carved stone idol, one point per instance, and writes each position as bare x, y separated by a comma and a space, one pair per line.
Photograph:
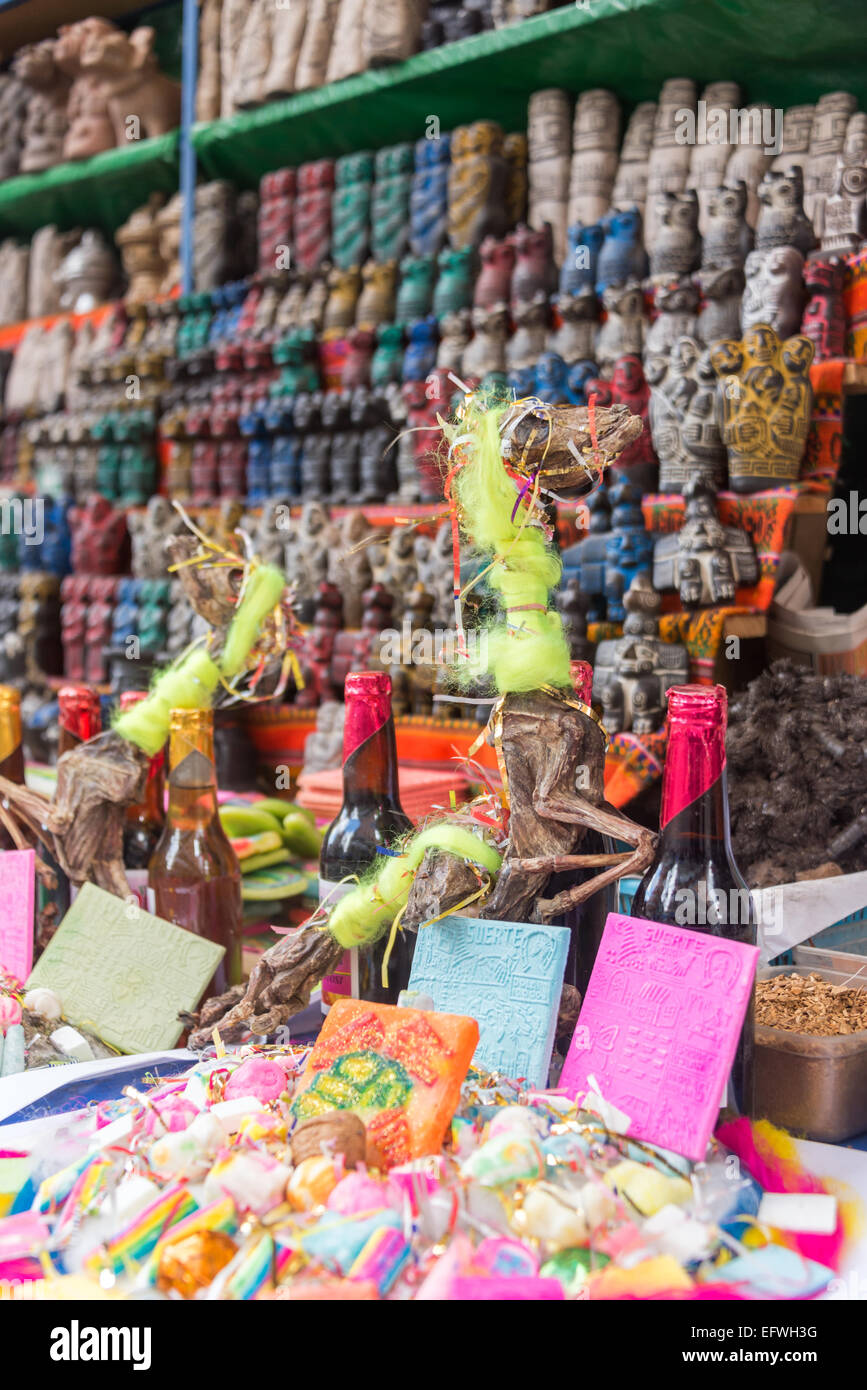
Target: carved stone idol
622, 255
454, 337
684, 417
676, 304
428, 199
350, 210
624, 327
347, 51
208, 79
138, 243
517, 182
595, 140
149, 531
391, 31
628, 386
782, 220
254, 55
632, 673
630, 183
477, 185
580, 269
415, 291
487, 350
765, 398
454, 286
827, 139
721, 294
774, 292
141, 100
493, 285
824, 321
548, 144
844, 226
45, 125
574, 339
90, 126
670, 155
704, 561
527, 343
712, 149
677, 245
797, 124
390, 204
47, 251
534, 272
752, 154
312, 64
727, 239
312, 239
14, 98
376, 302
344, 287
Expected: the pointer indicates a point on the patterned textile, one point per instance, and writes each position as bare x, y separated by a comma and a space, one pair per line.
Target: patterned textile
855, 303
825, 439
763, 515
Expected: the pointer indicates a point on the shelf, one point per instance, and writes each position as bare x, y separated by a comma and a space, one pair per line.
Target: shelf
99, 192
778, 51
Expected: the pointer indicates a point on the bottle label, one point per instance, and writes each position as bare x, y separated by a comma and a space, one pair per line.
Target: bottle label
138, 887
339, 984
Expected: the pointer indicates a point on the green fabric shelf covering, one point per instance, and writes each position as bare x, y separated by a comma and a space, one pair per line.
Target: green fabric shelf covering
98, 192
781, 51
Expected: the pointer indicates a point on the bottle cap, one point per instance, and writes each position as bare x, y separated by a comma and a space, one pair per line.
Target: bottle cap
79, 711
128, 698
698, 704
367, 683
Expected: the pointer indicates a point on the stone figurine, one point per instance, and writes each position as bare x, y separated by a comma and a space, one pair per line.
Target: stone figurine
579, 271
624, 326
90, 126
351, 210
415, 291
575, 335
844, 216
704, 561
684, 417
622, 255
477, 185
774, 291
676, 304
493, 284
721, 293
677, 244
765, 400
287, 32
517, 183
454, 339
454, 286
827, 140
389, 211
46, 123
391, 31
208, 77
347, 54
377, 300
595, 142
527, 343
549, 160
633, 673
630, 183
781, 220
795, 145
428, 199
669, 161
125, 68
727, 238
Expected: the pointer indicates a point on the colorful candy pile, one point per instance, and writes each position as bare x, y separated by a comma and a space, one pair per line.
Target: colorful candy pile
240, 1180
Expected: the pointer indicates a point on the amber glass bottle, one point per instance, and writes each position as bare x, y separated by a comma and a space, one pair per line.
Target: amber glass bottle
79, 716
144, 819
194, 878
11, 752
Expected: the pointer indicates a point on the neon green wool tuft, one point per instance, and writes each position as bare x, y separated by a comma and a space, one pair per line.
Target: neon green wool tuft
364, 914
191, 683
527, 647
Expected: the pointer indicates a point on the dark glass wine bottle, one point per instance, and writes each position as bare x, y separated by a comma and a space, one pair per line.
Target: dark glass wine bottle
144, 819
586, 922
693, 881
194, 878
369, 820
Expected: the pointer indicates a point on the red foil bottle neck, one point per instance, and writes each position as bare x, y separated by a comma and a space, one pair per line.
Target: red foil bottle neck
368, 708
582, 680
78, 711
696, 755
